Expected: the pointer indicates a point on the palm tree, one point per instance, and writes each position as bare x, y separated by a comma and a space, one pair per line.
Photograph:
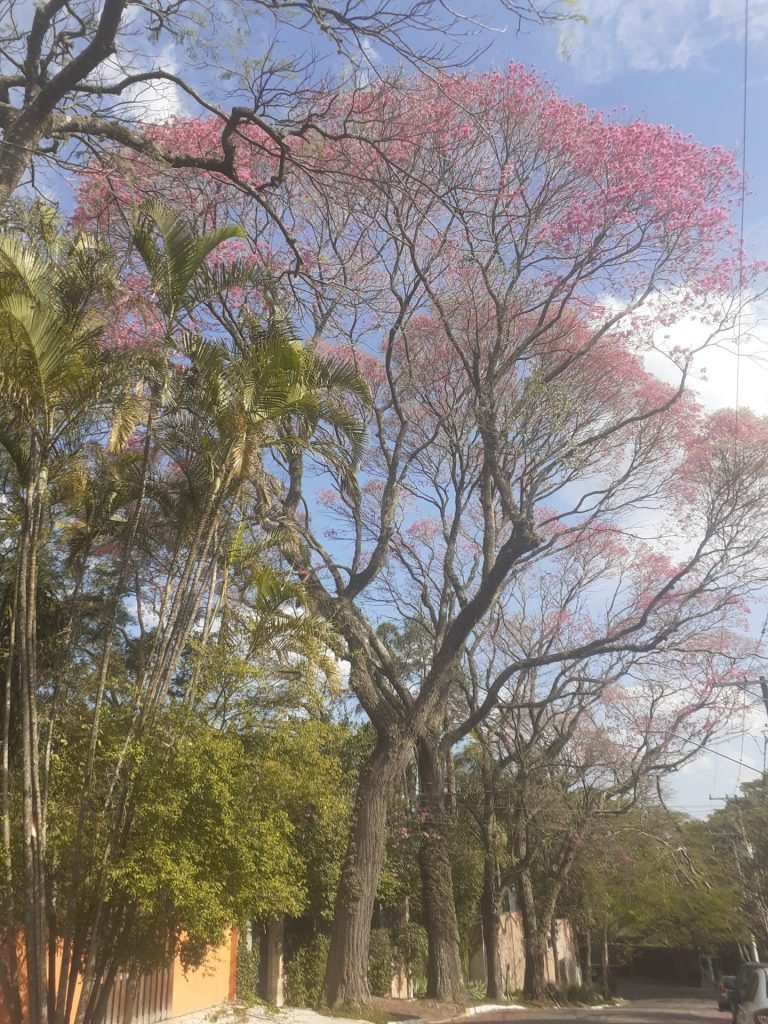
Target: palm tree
205, 414
52, 375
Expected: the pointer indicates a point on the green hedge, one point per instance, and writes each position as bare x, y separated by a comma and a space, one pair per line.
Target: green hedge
411, 945
247, 972
304, 972
380, 962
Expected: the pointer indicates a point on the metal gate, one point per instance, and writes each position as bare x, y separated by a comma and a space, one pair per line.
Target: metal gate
145, 999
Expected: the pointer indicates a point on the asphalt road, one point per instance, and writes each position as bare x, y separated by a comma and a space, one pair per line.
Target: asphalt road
652, 1005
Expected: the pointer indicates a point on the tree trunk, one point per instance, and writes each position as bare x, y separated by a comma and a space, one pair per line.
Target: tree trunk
15, 157
489, 914
586, 970
489, 898
604, 963
535, 981
555, 952
445, 980
534, 941
346, 974
33, 860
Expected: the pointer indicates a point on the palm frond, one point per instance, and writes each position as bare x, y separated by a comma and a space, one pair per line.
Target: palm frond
174, 264
22, 268
217, 280
130, 410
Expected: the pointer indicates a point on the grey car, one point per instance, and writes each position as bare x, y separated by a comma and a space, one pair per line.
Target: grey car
749, 977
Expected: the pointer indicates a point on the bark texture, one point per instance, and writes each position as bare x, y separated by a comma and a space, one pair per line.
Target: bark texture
445, 979
346, 976
534, 941
489, 913
605, 969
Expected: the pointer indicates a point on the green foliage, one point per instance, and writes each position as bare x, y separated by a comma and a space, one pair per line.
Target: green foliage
738, 834
411, 945
656, 880
399, 878
168, 634
380, 953
581, 995
206, 846
247, 972
175, 257
304, 972
308, 769
52, 370
467, 866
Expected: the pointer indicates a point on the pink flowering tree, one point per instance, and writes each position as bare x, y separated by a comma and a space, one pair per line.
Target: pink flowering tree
82, 75
496, 262
571, 745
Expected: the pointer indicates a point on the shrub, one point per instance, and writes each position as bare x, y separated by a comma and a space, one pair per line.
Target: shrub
380, 962
247, 972
304, 972
411, 943
583, 993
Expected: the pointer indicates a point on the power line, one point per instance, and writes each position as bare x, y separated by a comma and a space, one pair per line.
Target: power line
745, 93
714, 750
727, 757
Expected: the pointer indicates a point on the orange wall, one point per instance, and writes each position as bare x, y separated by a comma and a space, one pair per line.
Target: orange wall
208, 985
3, 1011
5, 1016
199, 989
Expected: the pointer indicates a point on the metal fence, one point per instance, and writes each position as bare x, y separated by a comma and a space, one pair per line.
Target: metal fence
141, 1000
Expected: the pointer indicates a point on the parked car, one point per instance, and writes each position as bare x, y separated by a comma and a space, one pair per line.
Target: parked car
725, 991
750, 994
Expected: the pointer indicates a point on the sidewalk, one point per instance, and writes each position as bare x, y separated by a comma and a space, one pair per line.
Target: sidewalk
229, 1014
421, 1011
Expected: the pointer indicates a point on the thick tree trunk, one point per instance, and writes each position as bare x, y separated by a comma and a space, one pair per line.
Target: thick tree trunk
535, 981
585, 950
534, 941
16, 153
555, 952
445, 979
489, 914
346, 975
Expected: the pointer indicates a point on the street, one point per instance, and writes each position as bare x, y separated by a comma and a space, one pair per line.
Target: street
645, 1005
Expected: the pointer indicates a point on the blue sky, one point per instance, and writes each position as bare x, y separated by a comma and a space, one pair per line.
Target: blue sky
678, 62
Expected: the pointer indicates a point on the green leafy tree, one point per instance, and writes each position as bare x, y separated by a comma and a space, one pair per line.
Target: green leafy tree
738, 832
308, 770
651, 878
136, 485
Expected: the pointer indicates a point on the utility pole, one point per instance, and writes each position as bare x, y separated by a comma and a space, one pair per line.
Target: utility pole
762, 682
764, 689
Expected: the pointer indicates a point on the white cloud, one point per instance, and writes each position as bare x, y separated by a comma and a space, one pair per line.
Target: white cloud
154, 101
725, 373
705, 782
654, 35
159, 100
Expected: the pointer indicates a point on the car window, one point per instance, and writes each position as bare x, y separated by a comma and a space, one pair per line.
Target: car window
752, 983
743, 982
